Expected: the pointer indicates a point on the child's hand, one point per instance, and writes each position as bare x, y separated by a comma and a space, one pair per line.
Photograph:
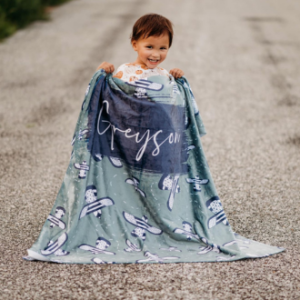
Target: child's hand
176, 73
108, 68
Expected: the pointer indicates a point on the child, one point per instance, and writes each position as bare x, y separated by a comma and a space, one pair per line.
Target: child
138, 185
151, 38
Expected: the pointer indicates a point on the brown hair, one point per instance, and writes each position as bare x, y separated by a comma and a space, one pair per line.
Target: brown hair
152, 25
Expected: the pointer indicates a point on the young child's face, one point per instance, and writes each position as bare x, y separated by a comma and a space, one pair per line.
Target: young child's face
151, 51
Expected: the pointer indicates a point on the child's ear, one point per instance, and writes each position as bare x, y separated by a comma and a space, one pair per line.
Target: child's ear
134, 45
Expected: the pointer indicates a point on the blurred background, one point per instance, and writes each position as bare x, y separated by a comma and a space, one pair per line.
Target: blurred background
15, 14
242, 60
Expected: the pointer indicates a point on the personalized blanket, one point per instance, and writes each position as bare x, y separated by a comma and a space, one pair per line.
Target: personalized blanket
138, 187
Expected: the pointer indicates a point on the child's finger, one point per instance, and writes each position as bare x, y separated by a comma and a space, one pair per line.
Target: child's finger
179, 74
111, 69
176, 73
173, 73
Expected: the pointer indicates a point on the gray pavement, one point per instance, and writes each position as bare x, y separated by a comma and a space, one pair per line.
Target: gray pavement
242, 59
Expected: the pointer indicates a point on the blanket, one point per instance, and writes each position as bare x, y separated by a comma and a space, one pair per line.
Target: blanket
138, 188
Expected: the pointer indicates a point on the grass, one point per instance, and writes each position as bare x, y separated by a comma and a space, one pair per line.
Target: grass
16, 14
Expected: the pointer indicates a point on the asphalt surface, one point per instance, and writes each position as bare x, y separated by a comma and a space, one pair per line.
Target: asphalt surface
242, 59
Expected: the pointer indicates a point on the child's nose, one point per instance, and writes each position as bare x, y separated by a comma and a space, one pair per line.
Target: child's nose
155, 54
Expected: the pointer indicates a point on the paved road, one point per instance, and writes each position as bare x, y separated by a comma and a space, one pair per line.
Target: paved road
243, 61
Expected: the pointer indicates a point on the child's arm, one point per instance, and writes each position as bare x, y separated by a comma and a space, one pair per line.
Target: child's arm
108, 68
176, 73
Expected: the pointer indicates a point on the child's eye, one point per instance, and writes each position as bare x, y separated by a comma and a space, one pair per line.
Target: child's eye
149, 47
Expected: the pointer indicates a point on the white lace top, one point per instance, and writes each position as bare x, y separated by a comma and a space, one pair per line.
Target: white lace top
131, 72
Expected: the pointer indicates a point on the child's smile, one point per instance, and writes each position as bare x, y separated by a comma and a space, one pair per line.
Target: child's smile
152, 50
